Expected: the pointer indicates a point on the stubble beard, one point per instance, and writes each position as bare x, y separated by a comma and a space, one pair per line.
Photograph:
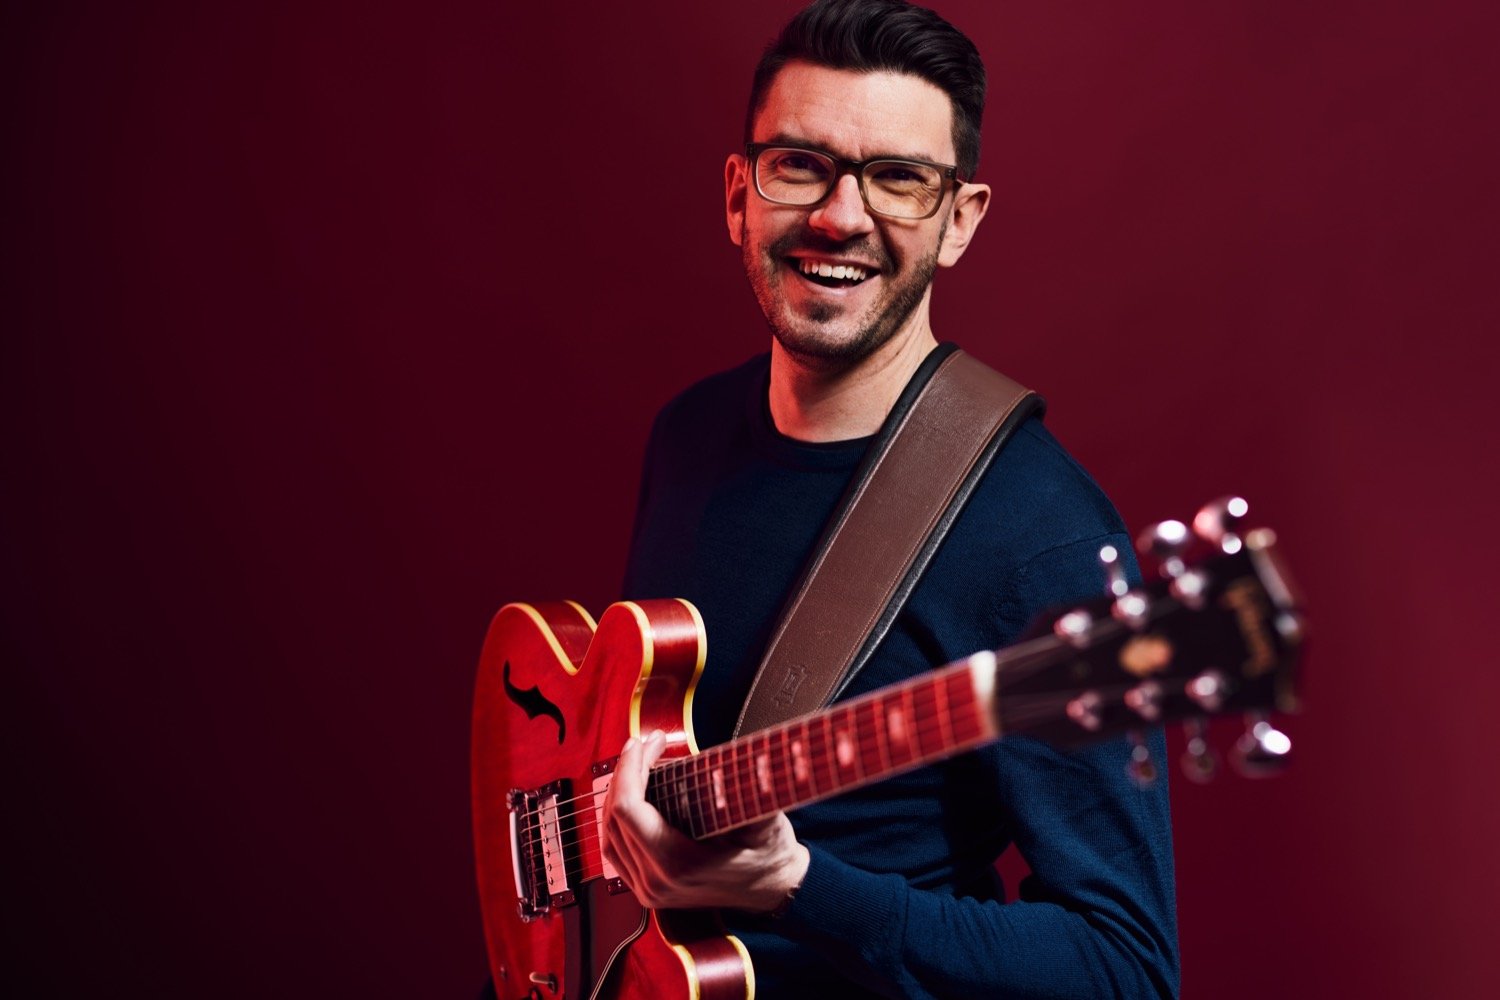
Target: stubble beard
811, 335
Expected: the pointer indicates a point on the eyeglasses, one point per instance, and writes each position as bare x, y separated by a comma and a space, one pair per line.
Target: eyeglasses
897, 189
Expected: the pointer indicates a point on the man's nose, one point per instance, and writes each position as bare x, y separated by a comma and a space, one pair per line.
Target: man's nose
843, 213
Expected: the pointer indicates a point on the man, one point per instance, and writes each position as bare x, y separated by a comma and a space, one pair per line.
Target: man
888, 890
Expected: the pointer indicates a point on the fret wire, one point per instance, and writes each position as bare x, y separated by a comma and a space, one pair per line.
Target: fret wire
730, 770
909, 715
765, 751
1049, 705
945, 716
827, 750
747, 768
964, 699
851, 726
785, 769
921, 707
696, 776
951, 720
810, 765
746, 772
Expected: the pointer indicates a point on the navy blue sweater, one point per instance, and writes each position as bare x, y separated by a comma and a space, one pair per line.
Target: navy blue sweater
901, 898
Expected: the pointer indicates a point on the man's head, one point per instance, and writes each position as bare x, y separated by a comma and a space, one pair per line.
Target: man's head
890, 35
840, 251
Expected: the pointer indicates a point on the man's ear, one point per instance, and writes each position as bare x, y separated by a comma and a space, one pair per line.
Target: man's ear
969, 205
736, 177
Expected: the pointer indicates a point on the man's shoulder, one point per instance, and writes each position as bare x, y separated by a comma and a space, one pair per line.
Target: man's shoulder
713, 401
1038, 495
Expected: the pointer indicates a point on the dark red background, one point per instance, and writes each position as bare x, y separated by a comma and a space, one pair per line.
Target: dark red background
329, 329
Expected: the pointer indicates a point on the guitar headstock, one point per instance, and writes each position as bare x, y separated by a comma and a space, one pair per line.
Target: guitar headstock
1219, 631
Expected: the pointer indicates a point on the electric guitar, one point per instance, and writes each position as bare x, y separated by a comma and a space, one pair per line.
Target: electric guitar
558, 694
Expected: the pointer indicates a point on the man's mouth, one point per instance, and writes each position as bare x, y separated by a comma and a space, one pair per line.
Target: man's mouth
830, 274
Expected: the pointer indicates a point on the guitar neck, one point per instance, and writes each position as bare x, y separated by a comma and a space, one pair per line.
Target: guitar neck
854, 743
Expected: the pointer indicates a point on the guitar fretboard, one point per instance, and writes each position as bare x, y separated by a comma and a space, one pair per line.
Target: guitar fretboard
853, 743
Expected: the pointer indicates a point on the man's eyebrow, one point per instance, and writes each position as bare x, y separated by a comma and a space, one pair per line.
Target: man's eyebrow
786, 139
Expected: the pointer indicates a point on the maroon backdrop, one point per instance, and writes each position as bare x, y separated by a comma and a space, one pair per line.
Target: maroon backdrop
328, 329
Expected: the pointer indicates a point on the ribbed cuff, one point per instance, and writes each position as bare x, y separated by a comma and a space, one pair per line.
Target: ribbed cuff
844, 902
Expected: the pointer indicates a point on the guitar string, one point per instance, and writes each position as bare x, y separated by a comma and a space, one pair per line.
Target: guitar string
693, 775
1014, 655
588, 847
697, 770
816, 743
695, 763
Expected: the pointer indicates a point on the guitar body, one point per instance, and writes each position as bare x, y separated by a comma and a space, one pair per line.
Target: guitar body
558, 696
555, 700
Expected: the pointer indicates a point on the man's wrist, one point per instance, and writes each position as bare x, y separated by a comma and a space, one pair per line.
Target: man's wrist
794, 875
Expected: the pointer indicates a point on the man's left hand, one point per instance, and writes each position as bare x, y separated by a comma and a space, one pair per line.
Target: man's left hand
752, 868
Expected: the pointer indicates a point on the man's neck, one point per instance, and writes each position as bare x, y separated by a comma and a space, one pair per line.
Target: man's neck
817, 403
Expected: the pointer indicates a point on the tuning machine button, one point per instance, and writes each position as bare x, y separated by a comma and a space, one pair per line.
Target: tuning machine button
1074, 628
1218, 523
1133, 609
1141, 769
1264, 750
1114, 571
1166, 542
1087, 710
1145, 700
1208, 690
1191, 588
1199, 762
1130, 606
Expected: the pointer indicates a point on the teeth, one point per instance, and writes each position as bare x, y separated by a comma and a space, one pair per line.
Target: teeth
848, 272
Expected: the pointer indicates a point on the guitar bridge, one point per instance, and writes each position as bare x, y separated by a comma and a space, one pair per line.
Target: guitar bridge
540, 824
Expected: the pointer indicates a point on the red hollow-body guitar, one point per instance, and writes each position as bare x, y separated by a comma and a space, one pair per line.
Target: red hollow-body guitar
558, 695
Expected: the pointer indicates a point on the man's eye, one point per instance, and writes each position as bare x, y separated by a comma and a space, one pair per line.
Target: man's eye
901, 175
799, 163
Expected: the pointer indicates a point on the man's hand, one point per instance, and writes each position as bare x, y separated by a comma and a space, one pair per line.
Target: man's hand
752, 868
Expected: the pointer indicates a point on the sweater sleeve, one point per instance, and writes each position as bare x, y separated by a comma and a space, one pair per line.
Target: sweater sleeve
1096, 917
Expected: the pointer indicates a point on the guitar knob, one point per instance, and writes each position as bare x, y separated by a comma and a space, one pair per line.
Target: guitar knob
1218, 523
1166, 541
1263, 751
1199, 762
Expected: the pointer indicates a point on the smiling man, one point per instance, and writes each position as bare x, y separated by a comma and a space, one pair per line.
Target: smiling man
857, 184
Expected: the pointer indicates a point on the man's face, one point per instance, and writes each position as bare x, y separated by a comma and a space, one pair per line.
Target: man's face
856, 116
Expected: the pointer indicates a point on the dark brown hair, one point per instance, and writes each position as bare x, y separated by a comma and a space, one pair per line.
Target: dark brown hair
890, 35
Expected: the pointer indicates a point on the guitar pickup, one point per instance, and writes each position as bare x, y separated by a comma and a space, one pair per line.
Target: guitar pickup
539, 824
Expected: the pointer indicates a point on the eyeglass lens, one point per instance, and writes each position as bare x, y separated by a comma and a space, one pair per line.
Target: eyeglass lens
898, 188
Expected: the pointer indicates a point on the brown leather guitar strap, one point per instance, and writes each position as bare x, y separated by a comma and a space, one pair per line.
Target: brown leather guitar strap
951, 420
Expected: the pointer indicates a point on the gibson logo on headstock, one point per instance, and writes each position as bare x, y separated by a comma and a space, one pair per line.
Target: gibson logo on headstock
789, 685
1245, 598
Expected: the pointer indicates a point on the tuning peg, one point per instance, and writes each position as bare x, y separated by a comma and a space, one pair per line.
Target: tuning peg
1142, 769
1074, 627
1218, 523
1166, 541
1114, 571
1264, 750
1087, 711
1208, 690
1199, 762
1145, 700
